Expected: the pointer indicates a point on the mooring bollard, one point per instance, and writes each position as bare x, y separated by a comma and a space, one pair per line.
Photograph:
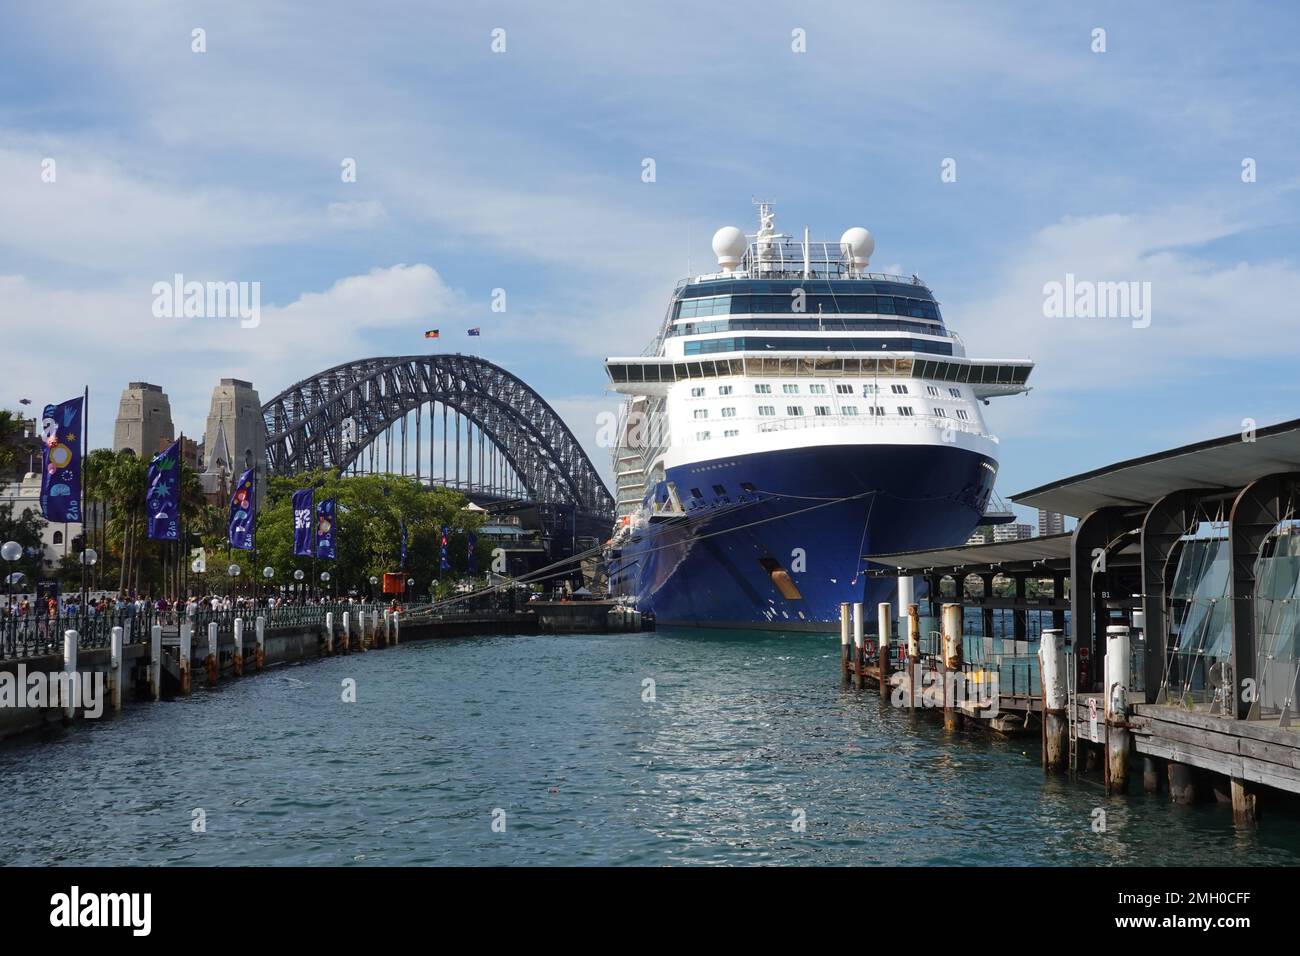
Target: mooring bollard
859, 644
70, 638
1116, 669
885, 624
238, 659
1056, 724
913, 652
115, 669
211, 662
846, 639
952, 659
186, 655
329, 632
260, 627
155, 661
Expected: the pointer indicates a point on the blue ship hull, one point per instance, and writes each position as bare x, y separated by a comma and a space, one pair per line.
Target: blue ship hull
776, 539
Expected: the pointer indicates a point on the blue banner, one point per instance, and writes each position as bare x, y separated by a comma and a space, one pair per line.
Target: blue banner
403, 542
243, 511
443, 563
61, 461
304, 514
163, 500
325, 530
473, 559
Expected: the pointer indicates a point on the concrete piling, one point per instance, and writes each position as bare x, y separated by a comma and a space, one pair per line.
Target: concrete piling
858, 647
115, 669
186, 655
211, 662
155, 661
1056, 723
70, 639
846, 639
238, 660
1118, 740
884, 625
329, 632
952, 661
345, 636
397, 627
260, 627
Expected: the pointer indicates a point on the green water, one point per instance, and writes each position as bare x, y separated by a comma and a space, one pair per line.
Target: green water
749, 750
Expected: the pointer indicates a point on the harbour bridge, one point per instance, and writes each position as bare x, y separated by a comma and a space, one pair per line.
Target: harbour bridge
516, 454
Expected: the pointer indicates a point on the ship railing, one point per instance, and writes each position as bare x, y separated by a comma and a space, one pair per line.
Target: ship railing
879, 421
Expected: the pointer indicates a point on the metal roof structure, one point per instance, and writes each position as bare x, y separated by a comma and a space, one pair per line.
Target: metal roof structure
1045, 554
1227, 463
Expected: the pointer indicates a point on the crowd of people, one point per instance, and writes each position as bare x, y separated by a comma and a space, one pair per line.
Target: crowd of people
28, 609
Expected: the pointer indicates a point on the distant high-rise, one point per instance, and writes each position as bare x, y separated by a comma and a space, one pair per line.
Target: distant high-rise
144, 420
1050, 522
1011, 532
235, 437
981, 535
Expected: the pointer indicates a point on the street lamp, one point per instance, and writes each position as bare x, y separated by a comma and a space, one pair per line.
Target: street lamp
298, 576
373, 581
324, 580
233, 571
268, 572
410, 583
11, 551
88, 558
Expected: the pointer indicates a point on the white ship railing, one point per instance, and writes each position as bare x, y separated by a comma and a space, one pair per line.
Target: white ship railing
868, 421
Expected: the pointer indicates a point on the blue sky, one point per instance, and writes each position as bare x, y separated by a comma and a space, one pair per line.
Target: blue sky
522, 170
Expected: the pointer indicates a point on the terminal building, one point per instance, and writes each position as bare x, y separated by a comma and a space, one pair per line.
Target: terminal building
1192, 556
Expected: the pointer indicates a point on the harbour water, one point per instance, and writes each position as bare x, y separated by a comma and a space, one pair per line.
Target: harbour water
739, 738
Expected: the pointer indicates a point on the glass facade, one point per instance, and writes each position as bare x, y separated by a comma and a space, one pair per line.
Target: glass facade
737, 304
973, 373
820, 323
1277, 624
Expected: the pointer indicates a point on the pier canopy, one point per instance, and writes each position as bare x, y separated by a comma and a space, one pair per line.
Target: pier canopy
1224, 464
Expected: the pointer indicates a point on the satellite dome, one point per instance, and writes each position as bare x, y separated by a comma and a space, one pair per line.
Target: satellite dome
858, 245
729, 246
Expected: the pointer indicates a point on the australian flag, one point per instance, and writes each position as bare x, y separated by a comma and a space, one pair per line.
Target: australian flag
61, 461
443, 563
243, 511
325, 530
303, 515
163, 501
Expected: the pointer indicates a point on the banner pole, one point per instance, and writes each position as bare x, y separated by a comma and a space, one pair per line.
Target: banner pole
81, 491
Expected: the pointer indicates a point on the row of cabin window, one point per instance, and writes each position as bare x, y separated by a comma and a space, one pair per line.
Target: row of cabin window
840, 389
797, 411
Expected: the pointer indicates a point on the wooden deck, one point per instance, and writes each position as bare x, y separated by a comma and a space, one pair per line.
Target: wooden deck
1256, 751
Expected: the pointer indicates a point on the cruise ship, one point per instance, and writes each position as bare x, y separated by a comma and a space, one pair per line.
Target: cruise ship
795, 413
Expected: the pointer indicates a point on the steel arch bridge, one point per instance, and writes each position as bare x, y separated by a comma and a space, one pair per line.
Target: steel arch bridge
328, 420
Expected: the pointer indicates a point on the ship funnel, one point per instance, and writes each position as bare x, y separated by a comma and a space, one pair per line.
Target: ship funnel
729, 246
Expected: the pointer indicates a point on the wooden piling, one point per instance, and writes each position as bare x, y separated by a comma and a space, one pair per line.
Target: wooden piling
186, 656
1116, 668
913, 652
329, 633
846, 640
155, 661
115, 669
70, 639
211, 663
1151, 774
345, 637
1182, 783
1244, 802
238, 659
260, 629
1056, 723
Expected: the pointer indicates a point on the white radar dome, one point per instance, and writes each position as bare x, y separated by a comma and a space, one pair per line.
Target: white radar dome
729, 246
858, 244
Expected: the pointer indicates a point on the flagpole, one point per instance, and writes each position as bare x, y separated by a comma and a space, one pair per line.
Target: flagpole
81, 491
